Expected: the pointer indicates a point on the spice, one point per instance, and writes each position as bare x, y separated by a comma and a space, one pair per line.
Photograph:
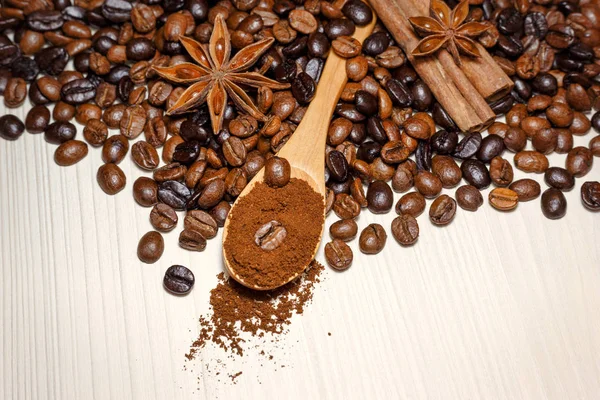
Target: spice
296, 209
237, 310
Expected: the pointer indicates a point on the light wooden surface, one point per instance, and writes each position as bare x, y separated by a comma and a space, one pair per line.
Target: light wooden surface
495, 306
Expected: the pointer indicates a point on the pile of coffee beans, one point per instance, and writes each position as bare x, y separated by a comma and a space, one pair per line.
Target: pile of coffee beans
388, 134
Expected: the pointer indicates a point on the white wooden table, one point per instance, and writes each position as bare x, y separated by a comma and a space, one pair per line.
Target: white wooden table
495, 306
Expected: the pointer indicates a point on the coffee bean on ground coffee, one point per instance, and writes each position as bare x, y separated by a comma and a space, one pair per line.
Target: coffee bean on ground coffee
298, 209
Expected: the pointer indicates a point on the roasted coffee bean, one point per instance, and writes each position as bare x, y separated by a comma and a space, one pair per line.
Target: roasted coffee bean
59, 132
163, 218
579, 161
95, 132
318, 45
111, 179
277, 171
446, 169
24, 67
234, 151
11, 127
545, 83
338, 255
357, 11
526, 189
304, 88
15, 92
554, 204
344, 230
337, 166
444, 142
212, 194
501, 172
346, 46
37, 119
124, 88
376, 44
45, 20
174, 194
201, 222
270, 236
52, 60
345, 207
491, 146
79, 91
399, 93
531, 161
115, 149
468, 146
192, 240
145, 191
590, 195
428, 184
405, 229
178, 280
442, 210
515, 139
170, 172
133, 122
545, 140
412, 204
469, 198
151, 247
423, 155
339, 27
187, 152
63, 112
441, 118
422, 96
503, 199
559, 178
70, 152
379, 197
475, 173
145, 155
372, 239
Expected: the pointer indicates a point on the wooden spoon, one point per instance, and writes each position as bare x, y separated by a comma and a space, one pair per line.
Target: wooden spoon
305, 151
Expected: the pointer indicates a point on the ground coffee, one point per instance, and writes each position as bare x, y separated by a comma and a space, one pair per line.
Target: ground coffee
298, 209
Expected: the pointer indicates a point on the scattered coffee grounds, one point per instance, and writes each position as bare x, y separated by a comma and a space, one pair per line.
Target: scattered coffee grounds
273, 233
237, 310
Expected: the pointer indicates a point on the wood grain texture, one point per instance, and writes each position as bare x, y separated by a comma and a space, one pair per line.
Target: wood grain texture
494, 306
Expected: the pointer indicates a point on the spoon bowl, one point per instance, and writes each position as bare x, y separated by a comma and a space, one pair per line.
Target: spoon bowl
305, 149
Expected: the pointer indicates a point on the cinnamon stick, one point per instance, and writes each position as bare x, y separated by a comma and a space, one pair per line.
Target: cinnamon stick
452, 89
496, 83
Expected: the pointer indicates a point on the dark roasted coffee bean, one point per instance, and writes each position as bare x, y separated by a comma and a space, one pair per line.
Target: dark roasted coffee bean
24, 67
372, 239
318, 45
314, 68
70, 152
150, 247
503, 105
45, 20
510, 46
468, 146
178, 280
444, 142
163, 218
503, 199
509, 21
78, 91
358, 12
344, 230
303, 88
376, 43
59, 132
174, 194
37, 119
379, 197
52, 60
476, 173
337, 166
187, 152
559, 178
124, 88
277, 171
339, 27
270, 236
491, 146
140, 49
469, 197
405, 229
526, 189
554, 204
338, 255
441, 118
536, 25
145, 191
515, 139
117, 11
111, 178
11, 127
366, 103
545, 83
422, 96
115, 149
399, 93
590, 195
442, 210
423, 155
8, 50
368, 151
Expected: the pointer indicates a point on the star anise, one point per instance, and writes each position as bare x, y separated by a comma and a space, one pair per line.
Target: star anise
216, 77
446, 28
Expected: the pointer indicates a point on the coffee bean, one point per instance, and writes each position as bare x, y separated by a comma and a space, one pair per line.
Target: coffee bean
428, 184
559, 178
531, 161
376, 44
372, 239
590, 195
554, 204
469, 198
270, 235
338, 255
345, 207
37, 119
15, 92
212, 194
220, 212
501, 172
357, 11
444, 142
192, 240
59, 132
515, 139
150, 247
379, 197
476, 173
44, 20
405, 229
503, 199
346, 46
201, 222
526, 189
133, 121
442, 210
178, 280
277, 172
163, 218
174, 194
491, 146
111, 178
11, 127
579, 161
412, 204
344, 230
446, 169
304, 88
468, 146
70, 152
302, 21
145, 191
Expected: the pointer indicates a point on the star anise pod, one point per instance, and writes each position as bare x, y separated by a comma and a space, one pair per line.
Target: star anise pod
446, 28
216, 76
